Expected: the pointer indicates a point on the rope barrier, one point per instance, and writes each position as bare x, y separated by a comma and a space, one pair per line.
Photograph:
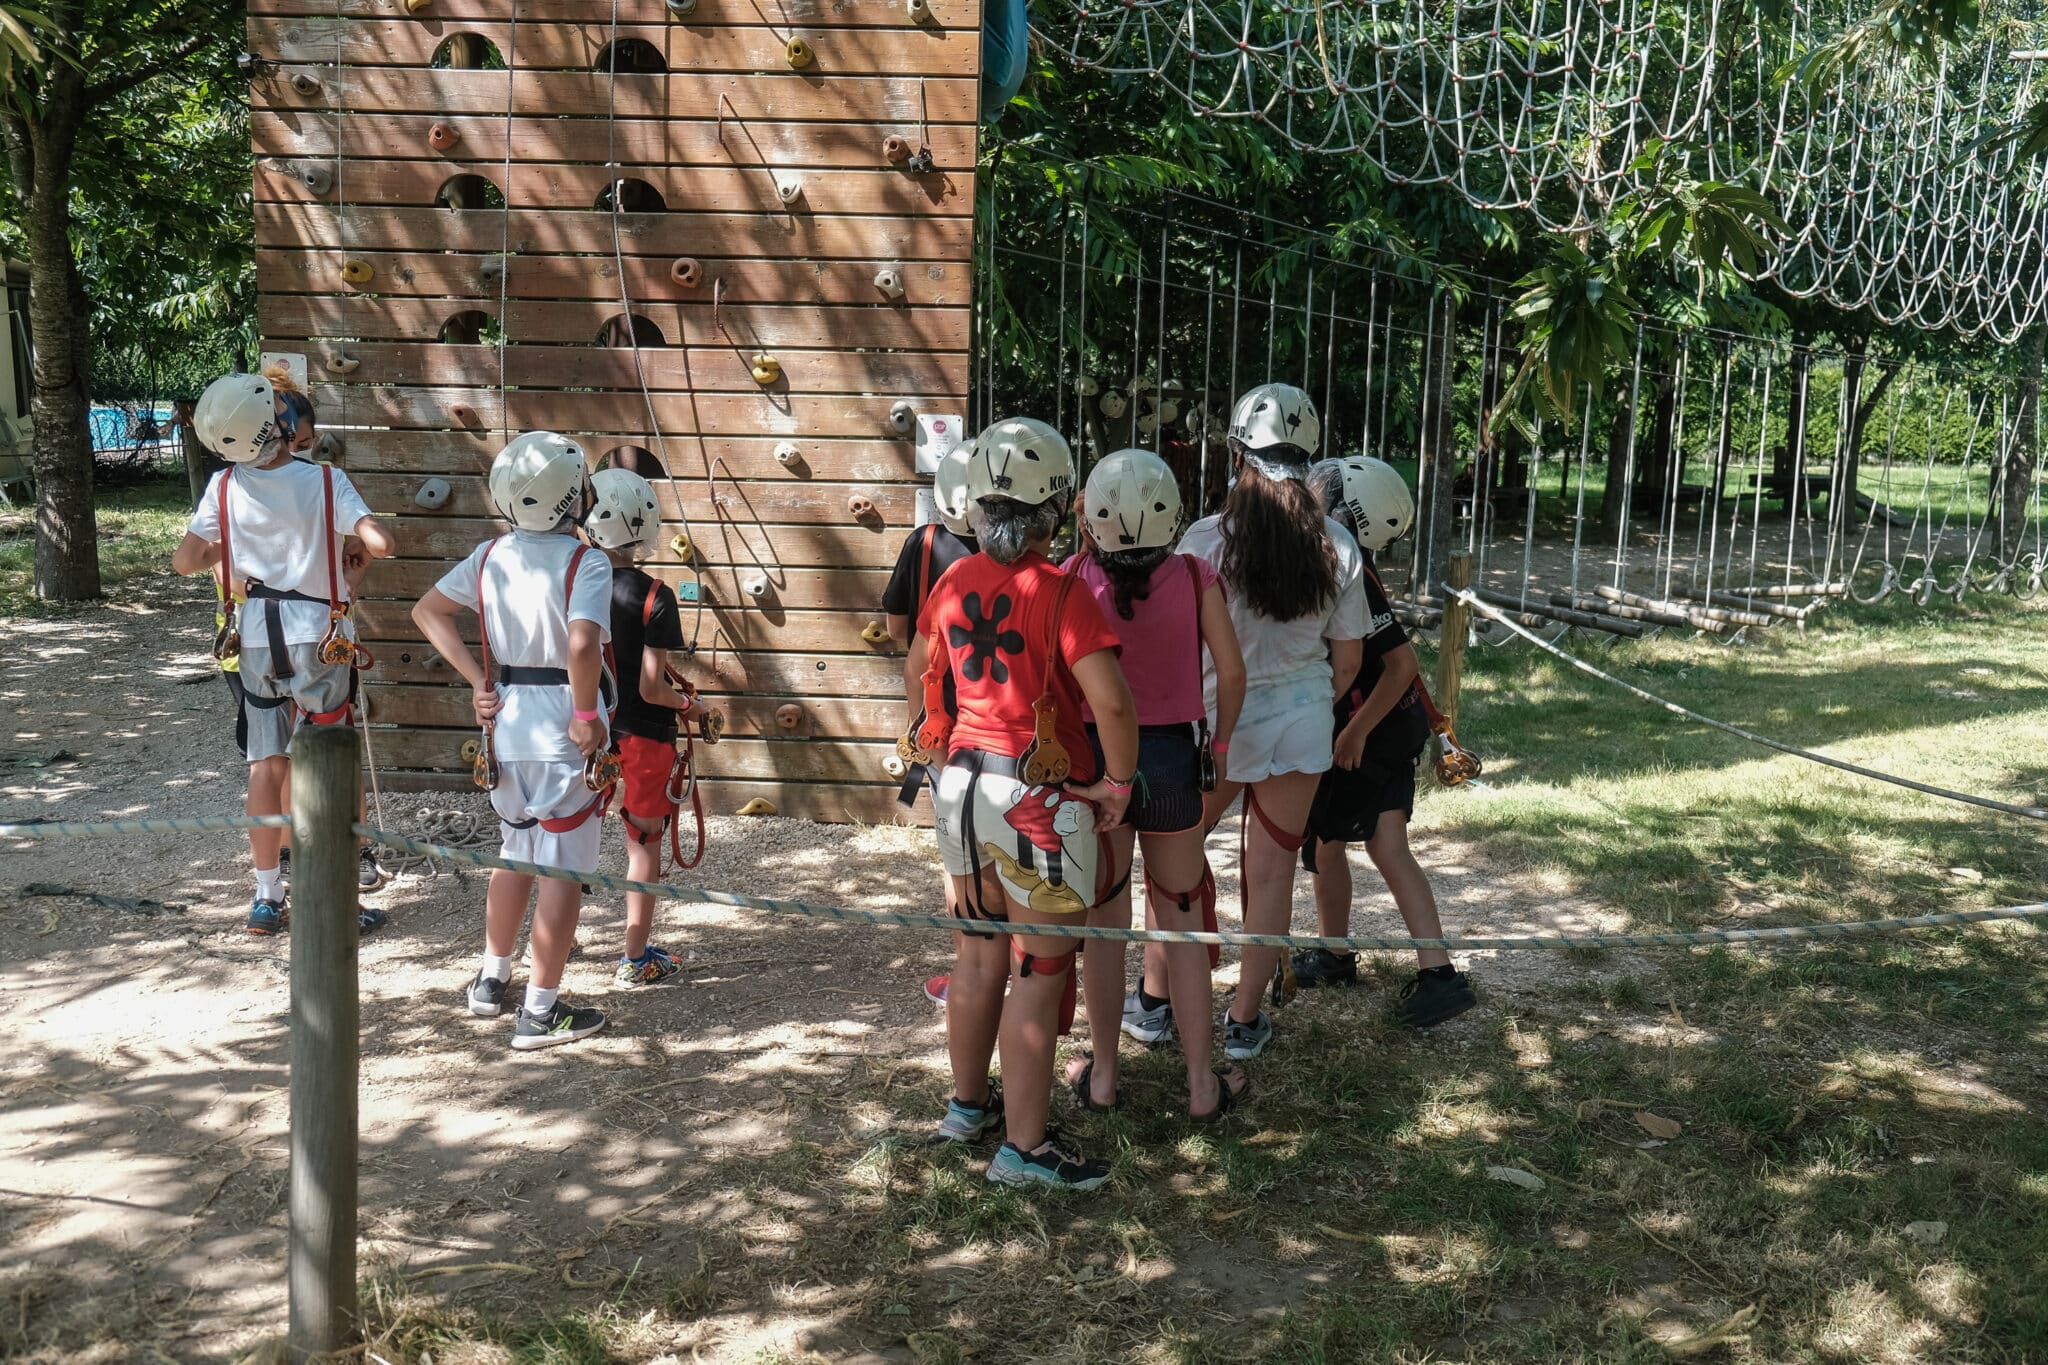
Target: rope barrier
31, 829
2005, 807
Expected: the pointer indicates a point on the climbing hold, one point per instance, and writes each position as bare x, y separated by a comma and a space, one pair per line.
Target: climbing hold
1086, 386
789, 716
919, 10
767, 369
682, 6
306, 83
472, 750
789, 189
787, 453
433, 494
1114, 404
493, 270
755, 585
343, 364
890, 282
358, 271
463, 413
895, 149
328, 447
680, 543
902, 417
922, 163
686, 272
875, 633
441, 137
1168, 411
799, 53
318, 179
860, 507
415, 6
895, 767
758, 806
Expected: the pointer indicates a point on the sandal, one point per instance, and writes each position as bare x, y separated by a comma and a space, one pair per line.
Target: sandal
1081, 1087
1226, 1098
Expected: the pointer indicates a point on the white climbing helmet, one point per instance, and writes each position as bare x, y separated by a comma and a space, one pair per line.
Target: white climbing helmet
1023, 459
949, 487
236, 418
537, 479
1132, 502
622, 512
1382, 509
1276, 415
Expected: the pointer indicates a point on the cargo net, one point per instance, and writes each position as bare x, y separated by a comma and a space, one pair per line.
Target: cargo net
1893, 200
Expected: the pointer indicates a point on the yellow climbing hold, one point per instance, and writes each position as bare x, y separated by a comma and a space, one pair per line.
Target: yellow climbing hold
875, 633
767, 369
415, 6
758, 806
357, 271
799, 53
680, 543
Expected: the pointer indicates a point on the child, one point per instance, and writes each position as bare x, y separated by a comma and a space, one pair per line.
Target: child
927, 553
1369, 794
275, 530
1020, 800
1166, 609
646, 625
543, 604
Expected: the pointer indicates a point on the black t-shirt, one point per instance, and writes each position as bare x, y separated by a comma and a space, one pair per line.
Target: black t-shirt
1402, 732
913, 579
634, 626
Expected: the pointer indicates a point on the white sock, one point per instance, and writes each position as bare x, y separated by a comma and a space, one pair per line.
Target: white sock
497, 968
539, 1001
270, 884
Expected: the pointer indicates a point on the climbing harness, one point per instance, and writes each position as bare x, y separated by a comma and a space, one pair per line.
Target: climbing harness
336, 647
682, 774
1200, 900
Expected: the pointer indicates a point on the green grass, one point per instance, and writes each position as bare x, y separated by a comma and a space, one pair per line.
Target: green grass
139, 525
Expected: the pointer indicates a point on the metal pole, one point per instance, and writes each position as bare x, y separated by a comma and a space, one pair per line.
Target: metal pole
327, 763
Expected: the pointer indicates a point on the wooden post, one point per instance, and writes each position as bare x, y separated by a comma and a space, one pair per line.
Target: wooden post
1450, 655
321, 1264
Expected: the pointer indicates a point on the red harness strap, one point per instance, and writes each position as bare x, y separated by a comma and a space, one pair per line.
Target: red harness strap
682, 777
1066, 964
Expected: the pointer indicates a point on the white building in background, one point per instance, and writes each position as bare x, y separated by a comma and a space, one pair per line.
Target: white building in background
16, 355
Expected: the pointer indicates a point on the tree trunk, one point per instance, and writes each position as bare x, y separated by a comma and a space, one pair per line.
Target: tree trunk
1790, 465
1859, 427
67, 539
1842, 478
2016, 475
1611, 499
1439, 460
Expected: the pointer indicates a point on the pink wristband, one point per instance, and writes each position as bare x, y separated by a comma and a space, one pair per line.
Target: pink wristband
1222, 748
586, 715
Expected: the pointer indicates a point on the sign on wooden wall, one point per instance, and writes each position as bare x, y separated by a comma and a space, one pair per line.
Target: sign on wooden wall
732, 237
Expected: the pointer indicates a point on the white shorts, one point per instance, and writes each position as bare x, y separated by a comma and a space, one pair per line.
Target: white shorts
1283, 728
529, 789
1041, 840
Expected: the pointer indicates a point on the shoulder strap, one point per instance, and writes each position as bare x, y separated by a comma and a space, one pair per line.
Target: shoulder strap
647, 607
483, 615
924, 572
327, 528
569, 581
1052, 627
227, 566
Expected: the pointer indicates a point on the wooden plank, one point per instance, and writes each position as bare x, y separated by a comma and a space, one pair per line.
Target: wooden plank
688, 457
720, 188
794, 326
653, 142
756, 674
447, 14
664, 235
703, 369
433, 275
745, 716
830, 632
784, 504
722, 542
786, 96
853, 588
756, 45
797, 414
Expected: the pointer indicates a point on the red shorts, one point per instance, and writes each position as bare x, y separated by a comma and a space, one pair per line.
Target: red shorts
648, 763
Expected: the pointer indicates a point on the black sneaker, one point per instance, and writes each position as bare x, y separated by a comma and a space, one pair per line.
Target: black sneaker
369, 919
1053, 1164
561, 1024
369, 876
1431, 999
487, 996
1321, 967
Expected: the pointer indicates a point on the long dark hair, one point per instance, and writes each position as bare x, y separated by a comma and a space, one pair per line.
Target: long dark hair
1277, 555
1130, 574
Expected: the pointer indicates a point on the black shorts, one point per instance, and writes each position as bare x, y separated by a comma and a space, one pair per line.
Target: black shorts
1169, 800
1350, 801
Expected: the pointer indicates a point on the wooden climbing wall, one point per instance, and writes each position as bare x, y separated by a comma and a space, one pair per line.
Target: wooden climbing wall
415, 385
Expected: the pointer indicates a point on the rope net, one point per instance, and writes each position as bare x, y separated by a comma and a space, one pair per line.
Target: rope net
1551, 109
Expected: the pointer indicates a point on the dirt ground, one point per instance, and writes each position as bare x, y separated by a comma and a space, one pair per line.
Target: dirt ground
143, 1103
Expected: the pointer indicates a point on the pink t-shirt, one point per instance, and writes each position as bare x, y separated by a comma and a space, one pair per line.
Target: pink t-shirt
1162, 641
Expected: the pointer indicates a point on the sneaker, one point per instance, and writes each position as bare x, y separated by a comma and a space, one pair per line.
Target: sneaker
369, 876
369, 920
1054, 1164
487, 996
1430, 999
1150, 1027
935, 989
561, 1024
1321, 967
966, 1122
1242, 1042
651, 966
268, 917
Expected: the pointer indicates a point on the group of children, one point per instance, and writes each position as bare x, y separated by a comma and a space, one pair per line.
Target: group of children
1066, 715
571, 686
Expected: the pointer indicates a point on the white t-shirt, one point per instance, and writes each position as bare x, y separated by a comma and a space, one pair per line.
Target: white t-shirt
1286, 652
274, 538
529, 606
